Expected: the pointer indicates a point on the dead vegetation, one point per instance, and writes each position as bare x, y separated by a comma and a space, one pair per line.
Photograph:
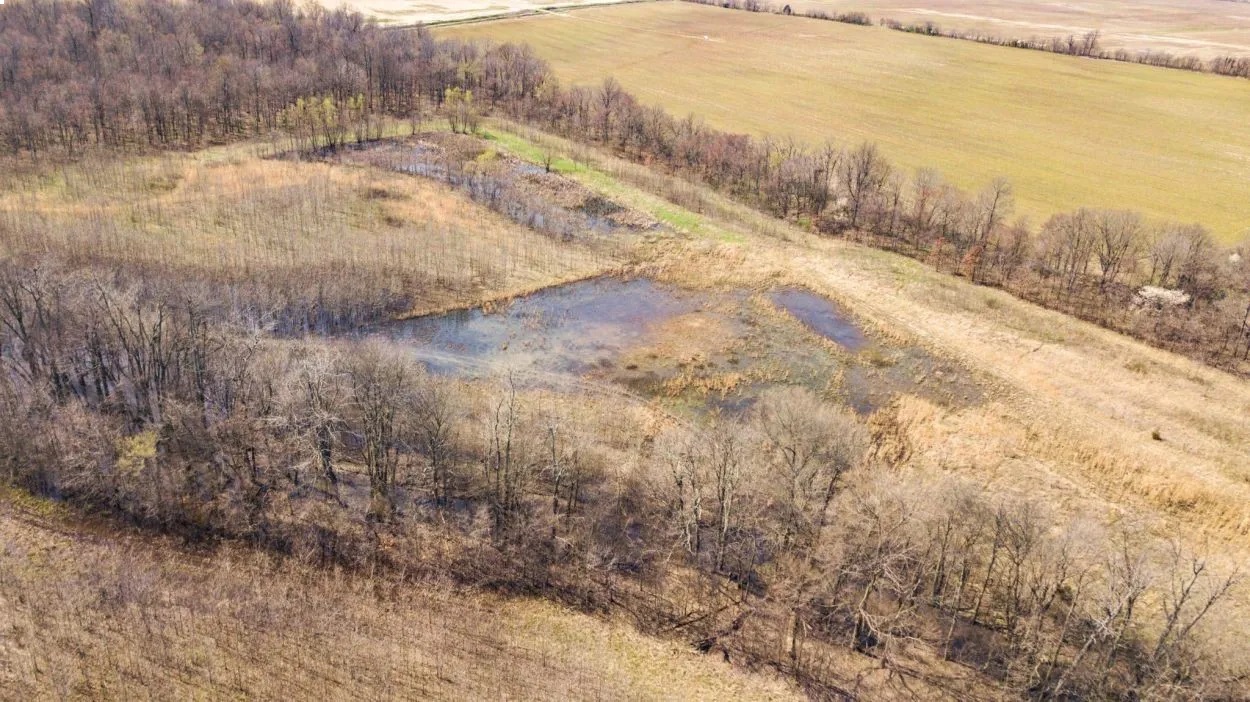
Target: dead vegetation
89, 611
1088, 399
349, 456
311, 245
901, 554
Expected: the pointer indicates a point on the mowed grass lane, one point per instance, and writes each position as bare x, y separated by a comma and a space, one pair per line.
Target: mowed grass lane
1067, 132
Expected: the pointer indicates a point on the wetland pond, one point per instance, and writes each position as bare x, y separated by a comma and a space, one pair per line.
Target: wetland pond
695, 348
821, 315
571, 328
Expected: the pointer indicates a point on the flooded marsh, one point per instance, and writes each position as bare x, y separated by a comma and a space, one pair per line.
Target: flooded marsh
689, 349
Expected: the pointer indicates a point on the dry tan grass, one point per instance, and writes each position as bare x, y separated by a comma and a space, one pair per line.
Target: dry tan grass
1068, 419
1066, 404
87, 613
1071, 407
231, 213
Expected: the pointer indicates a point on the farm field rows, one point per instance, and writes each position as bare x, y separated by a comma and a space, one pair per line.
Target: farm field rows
1067, 132
1204, 28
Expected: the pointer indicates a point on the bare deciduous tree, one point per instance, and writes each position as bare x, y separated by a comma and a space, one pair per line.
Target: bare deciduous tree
861, 174
381, 397
1120, 235
811, 446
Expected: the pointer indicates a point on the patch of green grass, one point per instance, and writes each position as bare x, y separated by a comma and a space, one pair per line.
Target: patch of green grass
679, 218
602, 182
694, 224
532, 152
675, 216
31, 504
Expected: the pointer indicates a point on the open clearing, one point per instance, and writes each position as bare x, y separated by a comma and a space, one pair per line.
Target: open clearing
1205, 28
1067, 132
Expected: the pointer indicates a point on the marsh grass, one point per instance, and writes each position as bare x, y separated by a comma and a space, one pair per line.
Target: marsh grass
1074, 392
1067, 420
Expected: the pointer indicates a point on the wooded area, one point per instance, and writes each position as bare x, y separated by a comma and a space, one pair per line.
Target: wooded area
150, 74
146, 403
781, 537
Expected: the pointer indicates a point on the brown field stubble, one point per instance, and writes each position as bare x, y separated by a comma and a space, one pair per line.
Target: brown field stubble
91, 613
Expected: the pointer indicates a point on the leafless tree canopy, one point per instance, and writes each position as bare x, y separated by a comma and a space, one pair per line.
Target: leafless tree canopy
805, 537
789, 536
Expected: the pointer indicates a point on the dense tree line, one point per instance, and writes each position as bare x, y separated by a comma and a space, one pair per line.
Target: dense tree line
162, 406
154, 73
1086, 45
160, 396
183, 74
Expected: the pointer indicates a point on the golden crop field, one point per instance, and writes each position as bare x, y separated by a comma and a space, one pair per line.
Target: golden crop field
1203, 28
1067, 132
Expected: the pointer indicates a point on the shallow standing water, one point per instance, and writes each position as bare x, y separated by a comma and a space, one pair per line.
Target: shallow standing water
709, 349
820, 315
571, 328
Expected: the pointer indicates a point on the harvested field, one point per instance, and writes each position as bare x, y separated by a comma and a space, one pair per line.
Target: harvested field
1067, 132
1205, 28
